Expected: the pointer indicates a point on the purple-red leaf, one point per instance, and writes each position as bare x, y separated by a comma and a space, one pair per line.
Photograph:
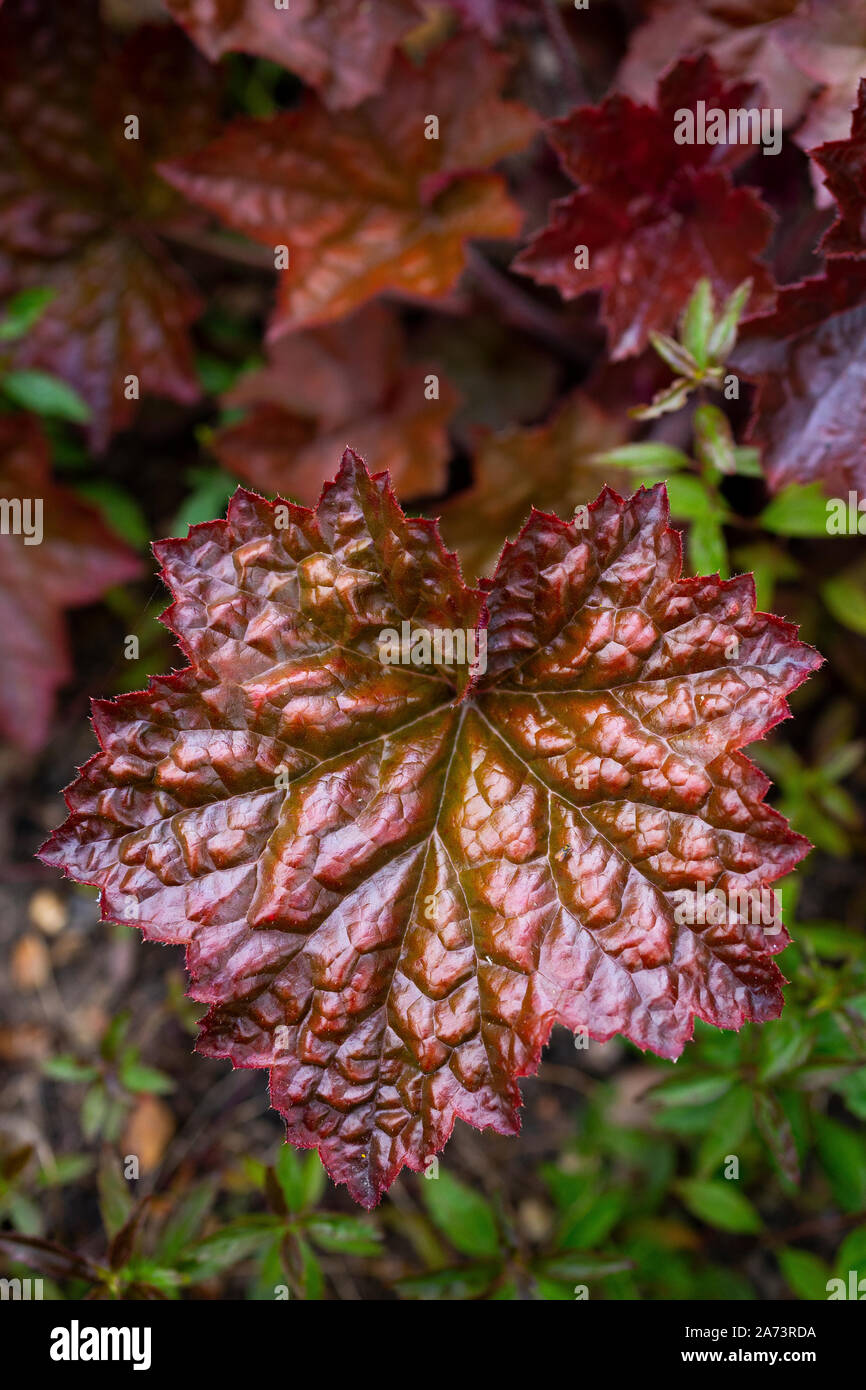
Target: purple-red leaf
323, 386
82, 208
809, 413
74, 562
392, 879
550, 466
340, 47
652, 215
374, 199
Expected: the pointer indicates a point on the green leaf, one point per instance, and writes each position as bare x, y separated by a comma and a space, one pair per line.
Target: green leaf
184, 1223
708, 551
135, 1076
209, 497
649, 455
698, 323
94, 1111
348, 1235
785, 1044
677, 357
691, 1091
115, 1199
22, 312
290, 1176
804, 1273
67, 1068
731, 1122
580, 1266
119, 509
845, 596
461, 1214
843, 1156
65, 1168
769, 563
590, 1228
690, 498
852, 1253
719, 1204
714, 440
779, 1136
45, 395
797, 511
724, 334
448, 1284
233, 1243
747, 463
672, 398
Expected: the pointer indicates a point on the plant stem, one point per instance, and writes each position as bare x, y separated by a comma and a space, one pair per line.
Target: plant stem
572, 77
519, 309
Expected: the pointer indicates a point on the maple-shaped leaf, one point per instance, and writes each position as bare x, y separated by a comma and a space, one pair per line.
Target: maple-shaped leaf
548, 466
340, 47
374, 199
806, 357
809, 412
326, 386
82, 207
844, 166
392, 879
826, 40
745, 38
55, 553
652, 215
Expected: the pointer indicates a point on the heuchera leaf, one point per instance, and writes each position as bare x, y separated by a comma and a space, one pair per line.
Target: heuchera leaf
340, 47
364, 201
844, 166
744, 37
549, 466
322, 386
809, 412
654, 216
75, 562
391, 880
826, 40
82, 207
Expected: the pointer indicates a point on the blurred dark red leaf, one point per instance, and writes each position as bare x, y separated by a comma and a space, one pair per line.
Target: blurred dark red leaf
548, 466
340, 47
391, 880
809, 413
744, 37
364, 201
844, 166
826, 40
82, 207
77, 560
324, 388
47, 1258
654, 215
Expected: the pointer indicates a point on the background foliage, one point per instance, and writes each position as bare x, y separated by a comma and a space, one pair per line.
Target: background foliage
155, 257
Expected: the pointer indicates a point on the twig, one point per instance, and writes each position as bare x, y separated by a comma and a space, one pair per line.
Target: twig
227, 248
520, 310
569, 68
